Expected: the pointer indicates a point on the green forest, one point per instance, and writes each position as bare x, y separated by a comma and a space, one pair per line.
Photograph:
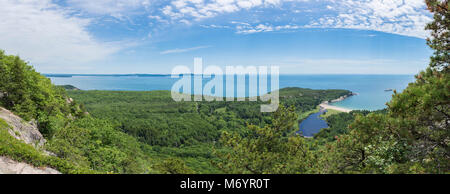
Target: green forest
148, 133
188, 130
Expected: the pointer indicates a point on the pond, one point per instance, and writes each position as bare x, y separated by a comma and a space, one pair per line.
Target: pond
312, 124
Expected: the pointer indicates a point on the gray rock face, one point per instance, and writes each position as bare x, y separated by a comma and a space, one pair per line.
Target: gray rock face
28, 132
8, 166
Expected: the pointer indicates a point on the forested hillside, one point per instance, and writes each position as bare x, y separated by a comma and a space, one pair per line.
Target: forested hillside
188, 130
147, 132
156, 119
410, 136
132, 132
81, 143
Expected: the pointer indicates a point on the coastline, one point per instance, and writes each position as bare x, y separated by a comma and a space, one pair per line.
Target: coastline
315, 121
326, 105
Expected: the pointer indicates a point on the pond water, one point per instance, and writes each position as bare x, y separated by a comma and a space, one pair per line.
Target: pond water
312, 124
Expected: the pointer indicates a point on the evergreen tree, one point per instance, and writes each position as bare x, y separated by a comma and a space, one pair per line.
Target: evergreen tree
414, 135
267, 150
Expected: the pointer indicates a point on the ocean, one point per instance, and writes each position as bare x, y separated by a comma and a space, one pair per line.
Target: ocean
370, 88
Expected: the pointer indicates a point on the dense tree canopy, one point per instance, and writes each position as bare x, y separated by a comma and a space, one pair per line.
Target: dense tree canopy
33, 96
189, 130
414, 135
147, 132
411, 136
266, 150
81, 143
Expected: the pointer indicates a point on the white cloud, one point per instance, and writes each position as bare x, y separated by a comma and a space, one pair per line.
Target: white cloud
248, 29
404, 17
213, 26
177, 50
44, 33
115, 8
244, 28
200, 9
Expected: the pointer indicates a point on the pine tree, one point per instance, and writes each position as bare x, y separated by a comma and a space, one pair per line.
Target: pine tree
414, 136
266, 150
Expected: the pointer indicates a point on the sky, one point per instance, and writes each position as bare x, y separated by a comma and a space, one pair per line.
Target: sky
154, 36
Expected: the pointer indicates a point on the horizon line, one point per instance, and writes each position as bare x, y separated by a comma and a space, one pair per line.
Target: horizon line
167, 74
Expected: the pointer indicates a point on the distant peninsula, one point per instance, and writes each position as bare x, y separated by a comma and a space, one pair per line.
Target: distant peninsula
69, 87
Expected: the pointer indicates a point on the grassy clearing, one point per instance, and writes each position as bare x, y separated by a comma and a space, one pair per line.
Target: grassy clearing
306, 114
329, 113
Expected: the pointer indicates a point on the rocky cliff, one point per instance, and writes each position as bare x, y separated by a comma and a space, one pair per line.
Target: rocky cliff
28, 133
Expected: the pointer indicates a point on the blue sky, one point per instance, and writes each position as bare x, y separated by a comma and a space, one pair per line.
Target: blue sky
153, 36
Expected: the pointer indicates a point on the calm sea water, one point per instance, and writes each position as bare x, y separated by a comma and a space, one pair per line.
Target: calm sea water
370, 88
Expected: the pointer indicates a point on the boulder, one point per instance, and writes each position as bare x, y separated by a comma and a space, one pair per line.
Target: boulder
22, 130
8, 166
28, 133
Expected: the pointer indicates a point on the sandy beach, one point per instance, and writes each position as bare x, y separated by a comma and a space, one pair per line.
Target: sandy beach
325, 105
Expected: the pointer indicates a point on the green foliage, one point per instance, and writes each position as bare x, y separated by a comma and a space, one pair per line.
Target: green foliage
22, 152
422, 117
32, 96
440, 33
154, 118
69, 87
307, 99
303, 115
329, 113
187, 130
147, 132
3, 124
173, 166
338, 125
95, 144
266, 150
196, 157
80, 142
413, 136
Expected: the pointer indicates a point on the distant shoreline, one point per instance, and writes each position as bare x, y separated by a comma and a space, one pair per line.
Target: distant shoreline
104, 75
372, 95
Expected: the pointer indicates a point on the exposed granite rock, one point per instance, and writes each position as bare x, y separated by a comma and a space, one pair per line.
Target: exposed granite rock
25, 131
8, 166
28, 133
